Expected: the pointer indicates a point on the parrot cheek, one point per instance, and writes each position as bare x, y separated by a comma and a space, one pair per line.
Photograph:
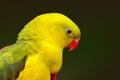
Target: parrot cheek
73, 44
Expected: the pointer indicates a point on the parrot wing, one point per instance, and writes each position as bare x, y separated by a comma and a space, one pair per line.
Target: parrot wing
12, 59
11, 71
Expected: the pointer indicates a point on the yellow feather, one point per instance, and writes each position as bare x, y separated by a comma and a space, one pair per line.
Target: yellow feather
47, 33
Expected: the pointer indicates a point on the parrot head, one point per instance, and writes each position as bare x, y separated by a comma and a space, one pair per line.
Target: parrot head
54, 28
63, 30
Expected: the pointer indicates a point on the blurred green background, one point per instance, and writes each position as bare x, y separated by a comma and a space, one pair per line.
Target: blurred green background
98, 21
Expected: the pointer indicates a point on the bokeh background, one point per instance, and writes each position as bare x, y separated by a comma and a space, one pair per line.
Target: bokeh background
95, 58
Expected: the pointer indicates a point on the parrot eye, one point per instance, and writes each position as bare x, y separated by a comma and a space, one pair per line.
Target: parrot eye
68, 31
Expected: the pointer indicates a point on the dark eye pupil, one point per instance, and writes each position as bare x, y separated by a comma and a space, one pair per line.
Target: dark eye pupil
69, 31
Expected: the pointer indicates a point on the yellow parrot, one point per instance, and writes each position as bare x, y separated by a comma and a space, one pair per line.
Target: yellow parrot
37, 53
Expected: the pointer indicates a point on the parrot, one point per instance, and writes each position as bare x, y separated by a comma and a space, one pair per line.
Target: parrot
37, 53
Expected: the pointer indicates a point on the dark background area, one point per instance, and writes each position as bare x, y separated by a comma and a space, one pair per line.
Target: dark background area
96, 57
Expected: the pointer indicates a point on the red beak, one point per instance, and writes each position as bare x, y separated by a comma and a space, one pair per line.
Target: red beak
73, 44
